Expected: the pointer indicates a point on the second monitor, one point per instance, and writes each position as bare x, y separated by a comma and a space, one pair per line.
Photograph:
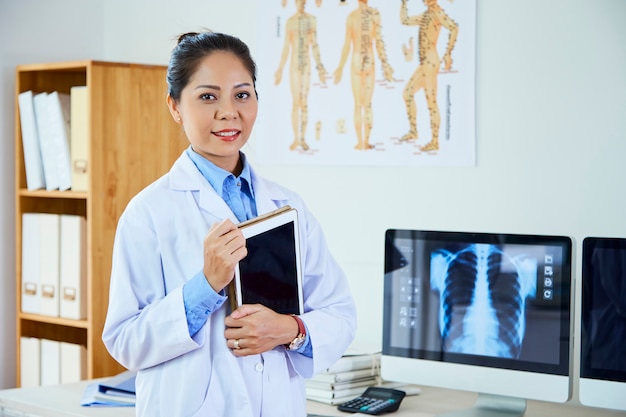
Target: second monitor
603, 323
488, 313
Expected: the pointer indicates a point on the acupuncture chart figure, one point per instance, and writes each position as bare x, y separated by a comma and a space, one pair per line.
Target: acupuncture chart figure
318, 3
300, 37
362, 30
425, 76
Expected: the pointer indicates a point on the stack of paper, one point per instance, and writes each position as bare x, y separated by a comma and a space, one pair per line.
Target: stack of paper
116, 391
346, 378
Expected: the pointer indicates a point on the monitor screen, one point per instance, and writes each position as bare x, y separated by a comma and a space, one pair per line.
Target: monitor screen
488, 313
603, 323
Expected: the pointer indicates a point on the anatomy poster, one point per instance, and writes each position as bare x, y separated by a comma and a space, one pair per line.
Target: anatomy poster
366, 82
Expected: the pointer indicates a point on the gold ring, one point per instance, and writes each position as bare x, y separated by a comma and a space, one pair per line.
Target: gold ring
236, 344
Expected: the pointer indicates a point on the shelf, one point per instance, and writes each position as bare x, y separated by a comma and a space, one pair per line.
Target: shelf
81, 195
84, 324
132, 141
53, 331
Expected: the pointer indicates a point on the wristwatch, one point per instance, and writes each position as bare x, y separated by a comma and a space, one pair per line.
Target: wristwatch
300, 338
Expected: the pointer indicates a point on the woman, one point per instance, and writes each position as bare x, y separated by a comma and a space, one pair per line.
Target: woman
176, 249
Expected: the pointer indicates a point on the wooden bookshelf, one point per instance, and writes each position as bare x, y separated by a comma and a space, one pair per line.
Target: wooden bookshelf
132, 141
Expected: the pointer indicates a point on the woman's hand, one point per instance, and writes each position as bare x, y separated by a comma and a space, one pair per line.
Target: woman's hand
224, 246
254, 329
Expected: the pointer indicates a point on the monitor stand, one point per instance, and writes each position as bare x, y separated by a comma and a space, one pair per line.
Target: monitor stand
488, 405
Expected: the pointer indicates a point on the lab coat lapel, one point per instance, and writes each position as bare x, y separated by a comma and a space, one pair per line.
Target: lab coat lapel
267, 195
186, 177
211, 202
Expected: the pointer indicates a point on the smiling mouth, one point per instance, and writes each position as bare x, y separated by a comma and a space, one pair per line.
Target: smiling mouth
227, 134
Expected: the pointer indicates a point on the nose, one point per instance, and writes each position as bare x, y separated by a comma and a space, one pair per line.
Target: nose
227, 110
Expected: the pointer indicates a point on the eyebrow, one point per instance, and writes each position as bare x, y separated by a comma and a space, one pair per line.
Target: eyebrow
216, 87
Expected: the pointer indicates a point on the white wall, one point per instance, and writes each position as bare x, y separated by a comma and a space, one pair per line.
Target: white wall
146, 31
551, 129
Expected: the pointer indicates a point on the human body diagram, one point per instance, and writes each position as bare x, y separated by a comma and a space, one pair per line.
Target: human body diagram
362, 31
387, 101
425, 76
300, 39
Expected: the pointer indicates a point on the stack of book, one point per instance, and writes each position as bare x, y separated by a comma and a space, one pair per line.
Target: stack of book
345, 379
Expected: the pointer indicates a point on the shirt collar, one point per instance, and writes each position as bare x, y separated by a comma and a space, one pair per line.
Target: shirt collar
216, 175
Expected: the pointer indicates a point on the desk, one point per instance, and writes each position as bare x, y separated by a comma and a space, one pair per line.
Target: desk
54, 401
64, 401
434, 401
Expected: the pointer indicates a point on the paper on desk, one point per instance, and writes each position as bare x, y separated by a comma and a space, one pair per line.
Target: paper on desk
92, 397
123, 383
361, 349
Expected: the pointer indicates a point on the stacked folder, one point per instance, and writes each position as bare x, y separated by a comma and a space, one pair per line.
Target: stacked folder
345, 379
54, 268
55, 133
50, 362
115, 391
54, 280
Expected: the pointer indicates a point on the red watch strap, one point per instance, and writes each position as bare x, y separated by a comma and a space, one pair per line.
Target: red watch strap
301, 328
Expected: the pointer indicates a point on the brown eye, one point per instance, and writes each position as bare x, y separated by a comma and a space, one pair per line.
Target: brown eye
207, 97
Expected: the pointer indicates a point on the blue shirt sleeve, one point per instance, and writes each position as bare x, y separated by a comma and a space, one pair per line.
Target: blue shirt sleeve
307, 348
200, 301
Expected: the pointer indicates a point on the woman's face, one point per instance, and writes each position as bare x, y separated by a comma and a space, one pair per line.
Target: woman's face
218, 108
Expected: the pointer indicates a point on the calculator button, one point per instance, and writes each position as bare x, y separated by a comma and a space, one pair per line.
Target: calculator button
382, 404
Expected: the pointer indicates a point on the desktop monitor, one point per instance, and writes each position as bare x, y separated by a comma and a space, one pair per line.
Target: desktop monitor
482, 312
602, 380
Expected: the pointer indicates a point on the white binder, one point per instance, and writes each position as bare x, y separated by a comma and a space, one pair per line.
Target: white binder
73, 267
49, 263
31, 279
30, 361
35, 178
73, 363
46, 141
50, 362
59, 126
79, 137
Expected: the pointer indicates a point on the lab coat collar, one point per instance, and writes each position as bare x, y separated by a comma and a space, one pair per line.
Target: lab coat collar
185, 176
268, 195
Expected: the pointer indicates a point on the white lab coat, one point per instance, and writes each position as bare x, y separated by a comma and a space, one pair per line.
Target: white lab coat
158, 247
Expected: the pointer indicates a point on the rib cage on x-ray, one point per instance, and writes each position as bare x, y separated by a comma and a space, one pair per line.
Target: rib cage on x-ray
482, 295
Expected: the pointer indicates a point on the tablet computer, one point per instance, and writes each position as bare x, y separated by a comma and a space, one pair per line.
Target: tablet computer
271, 274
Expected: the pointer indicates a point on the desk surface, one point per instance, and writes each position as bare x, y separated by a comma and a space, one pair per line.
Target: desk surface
64, 401
434, 401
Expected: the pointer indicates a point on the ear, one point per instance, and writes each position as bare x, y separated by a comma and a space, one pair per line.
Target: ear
173, 106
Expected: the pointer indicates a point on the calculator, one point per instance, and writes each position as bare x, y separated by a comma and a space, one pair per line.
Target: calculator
375, 400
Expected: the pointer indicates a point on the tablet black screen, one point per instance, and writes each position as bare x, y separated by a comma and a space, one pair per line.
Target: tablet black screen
268, 273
